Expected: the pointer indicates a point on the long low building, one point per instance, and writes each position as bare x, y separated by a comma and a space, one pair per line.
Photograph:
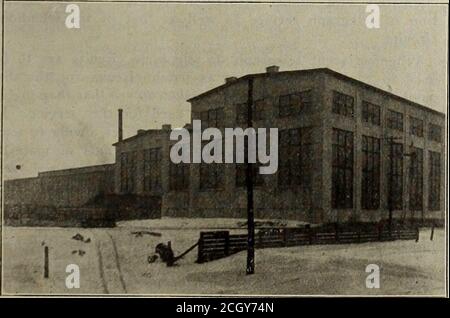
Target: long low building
61, 188
347, 151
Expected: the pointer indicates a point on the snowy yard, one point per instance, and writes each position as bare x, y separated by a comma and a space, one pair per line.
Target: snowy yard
115, 261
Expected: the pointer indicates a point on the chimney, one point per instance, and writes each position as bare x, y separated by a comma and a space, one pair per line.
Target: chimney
120, 125
231, 79
272, 69
166, 127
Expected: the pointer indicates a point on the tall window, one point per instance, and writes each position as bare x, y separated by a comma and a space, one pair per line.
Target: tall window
395, 176
370, 198
259, 111
179, 176
211, 176
435, 133
127, 171
343, 104
212, 118
342, 179
152, 169
293, 104
416, 180
295, 157
434, 193
395, 120
370, 113
416, 127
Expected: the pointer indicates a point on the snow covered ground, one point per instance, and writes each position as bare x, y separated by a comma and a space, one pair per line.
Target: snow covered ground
115, 262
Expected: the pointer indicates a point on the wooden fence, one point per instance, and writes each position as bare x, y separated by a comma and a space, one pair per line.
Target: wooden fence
219, 244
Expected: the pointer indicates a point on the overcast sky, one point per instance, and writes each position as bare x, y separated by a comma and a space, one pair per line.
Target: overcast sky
63, 86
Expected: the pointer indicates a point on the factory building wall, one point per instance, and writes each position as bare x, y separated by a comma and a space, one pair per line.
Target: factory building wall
382, 133
271, 199
313, 201
149, 170
61, 188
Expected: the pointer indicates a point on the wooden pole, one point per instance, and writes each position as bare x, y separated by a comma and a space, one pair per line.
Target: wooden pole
46, 262
249, 184
432, 232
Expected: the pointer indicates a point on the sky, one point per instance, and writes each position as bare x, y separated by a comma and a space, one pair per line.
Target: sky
62, 87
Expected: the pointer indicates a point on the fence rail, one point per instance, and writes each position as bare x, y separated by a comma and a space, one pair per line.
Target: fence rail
219, 244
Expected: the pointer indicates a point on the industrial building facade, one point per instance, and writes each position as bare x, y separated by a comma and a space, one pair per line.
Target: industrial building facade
347, 151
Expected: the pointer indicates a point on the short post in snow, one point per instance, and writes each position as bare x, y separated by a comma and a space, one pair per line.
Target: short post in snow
46, 261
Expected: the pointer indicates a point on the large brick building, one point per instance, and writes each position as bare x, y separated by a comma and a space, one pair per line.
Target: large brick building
337, 139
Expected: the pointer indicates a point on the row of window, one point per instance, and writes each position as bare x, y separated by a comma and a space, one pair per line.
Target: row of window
293, 104
342, 175
179, 173
288, 105
295, 167
295, 163
371, 113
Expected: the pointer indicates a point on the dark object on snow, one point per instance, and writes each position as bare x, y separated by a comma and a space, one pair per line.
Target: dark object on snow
78, 237
80, 252
141, 233
166, 253
152, 259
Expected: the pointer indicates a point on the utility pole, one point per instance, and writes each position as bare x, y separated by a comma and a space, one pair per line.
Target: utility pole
249, 185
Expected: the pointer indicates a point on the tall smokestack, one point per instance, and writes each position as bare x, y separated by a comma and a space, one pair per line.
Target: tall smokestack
120, 124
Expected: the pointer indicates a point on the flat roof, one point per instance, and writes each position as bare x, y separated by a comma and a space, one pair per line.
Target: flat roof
68, 171
319, 70
144, 133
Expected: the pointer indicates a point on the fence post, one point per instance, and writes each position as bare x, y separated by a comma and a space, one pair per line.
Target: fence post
46, 261
308, 227
417, 234
432, 231
285, 236
260, 239
227, 243
359, 234
200, 249
336, 232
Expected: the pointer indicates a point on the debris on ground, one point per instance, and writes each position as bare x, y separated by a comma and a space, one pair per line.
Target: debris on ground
264, 224
165, 252
80, 252
141, 233
152, 258
79, 237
